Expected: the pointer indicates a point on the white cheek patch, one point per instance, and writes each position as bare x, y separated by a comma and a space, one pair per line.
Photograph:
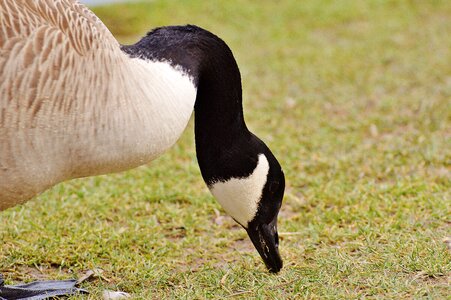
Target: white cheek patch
240, 196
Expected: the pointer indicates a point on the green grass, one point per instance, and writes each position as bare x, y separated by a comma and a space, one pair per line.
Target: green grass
353, 97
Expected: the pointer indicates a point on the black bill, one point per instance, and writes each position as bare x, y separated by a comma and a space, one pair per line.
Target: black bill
266, 240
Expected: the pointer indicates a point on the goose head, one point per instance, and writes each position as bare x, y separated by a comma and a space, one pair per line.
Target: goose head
250, 187
238, 168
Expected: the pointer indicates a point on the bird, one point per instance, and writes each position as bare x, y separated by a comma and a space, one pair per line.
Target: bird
74, 102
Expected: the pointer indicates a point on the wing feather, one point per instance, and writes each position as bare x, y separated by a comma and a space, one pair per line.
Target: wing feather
19, 18
52, 52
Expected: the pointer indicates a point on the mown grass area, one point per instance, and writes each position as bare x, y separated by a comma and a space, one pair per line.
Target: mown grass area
353, 97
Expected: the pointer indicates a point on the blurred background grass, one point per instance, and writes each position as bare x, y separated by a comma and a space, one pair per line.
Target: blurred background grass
353, 97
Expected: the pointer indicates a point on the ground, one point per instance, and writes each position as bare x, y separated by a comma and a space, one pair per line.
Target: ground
353, 97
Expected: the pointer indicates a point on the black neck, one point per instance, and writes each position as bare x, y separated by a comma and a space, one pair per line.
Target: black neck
219, 122
218, 108
209, 61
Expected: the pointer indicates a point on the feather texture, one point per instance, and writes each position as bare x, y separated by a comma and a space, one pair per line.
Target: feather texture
72, 104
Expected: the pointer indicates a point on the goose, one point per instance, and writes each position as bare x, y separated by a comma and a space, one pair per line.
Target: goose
75, 103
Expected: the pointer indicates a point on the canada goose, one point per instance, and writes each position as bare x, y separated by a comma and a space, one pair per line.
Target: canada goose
75, 103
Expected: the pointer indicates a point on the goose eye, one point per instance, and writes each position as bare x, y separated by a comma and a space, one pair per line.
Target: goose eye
273, 186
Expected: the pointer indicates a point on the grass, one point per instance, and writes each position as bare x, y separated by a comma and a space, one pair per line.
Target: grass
353, 97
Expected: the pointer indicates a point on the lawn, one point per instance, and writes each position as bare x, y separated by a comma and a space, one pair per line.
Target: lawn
353, 97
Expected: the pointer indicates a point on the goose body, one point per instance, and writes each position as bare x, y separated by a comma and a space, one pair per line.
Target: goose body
74, 103
71, 109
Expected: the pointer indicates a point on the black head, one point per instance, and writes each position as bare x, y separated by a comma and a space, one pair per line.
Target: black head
262, 230
249, 183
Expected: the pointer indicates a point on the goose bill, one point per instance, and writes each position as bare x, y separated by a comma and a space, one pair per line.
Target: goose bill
266, 240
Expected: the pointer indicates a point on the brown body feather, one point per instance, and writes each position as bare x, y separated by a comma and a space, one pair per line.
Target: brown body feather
72, 104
